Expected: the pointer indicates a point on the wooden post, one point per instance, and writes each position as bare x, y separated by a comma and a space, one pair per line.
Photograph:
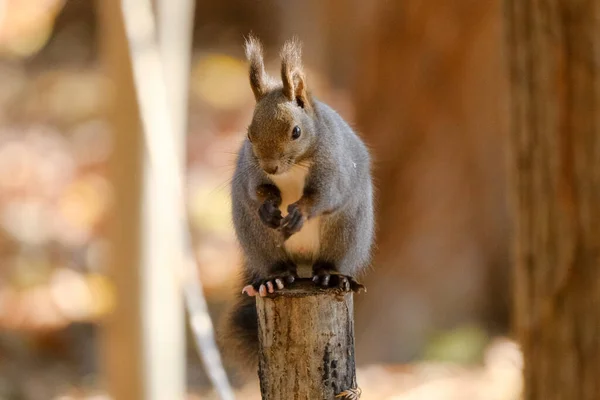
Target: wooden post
306, 337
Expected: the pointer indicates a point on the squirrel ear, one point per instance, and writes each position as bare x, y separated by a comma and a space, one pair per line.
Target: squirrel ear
259, 80
292, 75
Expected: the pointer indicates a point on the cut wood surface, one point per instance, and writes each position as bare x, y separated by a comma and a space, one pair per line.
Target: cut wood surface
306, 337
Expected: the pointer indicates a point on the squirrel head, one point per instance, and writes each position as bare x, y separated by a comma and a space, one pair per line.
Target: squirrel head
282, 131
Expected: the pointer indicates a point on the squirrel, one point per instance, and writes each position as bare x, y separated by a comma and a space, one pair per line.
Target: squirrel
302, 196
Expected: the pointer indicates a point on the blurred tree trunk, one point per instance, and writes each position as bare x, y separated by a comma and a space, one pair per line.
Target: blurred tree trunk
331, 31
430, 101
222, 24
556, 172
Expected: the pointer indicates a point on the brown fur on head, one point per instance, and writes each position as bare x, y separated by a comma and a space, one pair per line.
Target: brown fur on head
281, 110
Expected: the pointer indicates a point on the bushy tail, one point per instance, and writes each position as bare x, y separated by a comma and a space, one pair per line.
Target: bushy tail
238, 338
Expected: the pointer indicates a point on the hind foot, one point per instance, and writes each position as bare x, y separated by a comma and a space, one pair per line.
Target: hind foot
270, 285
282, 275
327, 277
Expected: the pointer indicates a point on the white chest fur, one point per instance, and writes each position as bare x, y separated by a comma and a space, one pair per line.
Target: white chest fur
291, 186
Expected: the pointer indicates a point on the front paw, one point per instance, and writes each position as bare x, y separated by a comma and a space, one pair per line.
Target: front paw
270, 215
292, 222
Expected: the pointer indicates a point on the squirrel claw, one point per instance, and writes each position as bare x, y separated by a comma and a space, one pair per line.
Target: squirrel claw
262, 291
270, 287
249, 290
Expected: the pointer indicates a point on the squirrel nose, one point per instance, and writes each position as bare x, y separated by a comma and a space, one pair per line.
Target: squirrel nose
270, 167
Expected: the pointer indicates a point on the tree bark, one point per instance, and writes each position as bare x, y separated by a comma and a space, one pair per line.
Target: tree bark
555, 165
306, 337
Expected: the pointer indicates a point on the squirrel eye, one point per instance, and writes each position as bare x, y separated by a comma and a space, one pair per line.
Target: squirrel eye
296, 132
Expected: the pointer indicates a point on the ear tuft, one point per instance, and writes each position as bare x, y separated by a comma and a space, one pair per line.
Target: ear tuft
292, 74
259, 80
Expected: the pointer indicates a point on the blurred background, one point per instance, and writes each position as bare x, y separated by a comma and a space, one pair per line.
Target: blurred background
423, 82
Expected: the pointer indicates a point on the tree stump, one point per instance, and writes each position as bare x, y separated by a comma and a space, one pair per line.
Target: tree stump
306, 337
